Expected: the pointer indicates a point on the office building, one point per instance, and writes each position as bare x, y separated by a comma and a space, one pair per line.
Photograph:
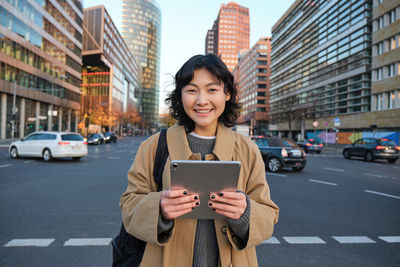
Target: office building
141, 30
321, 61
111, 79
40, 57
230, 33
252, 80
385, 88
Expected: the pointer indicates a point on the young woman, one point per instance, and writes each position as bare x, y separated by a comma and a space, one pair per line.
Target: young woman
204, 103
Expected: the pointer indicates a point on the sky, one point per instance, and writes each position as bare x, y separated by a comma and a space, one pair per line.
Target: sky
184, 25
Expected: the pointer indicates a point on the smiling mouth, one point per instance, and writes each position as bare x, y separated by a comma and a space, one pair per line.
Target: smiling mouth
203, 111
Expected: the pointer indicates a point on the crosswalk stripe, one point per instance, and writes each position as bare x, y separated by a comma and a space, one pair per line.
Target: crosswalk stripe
304, 240
88, 242
353, 239
272, 240
30, 242
390, 239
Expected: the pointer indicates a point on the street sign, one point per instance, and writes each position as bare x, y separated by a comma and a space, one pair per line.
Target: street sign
315, 124
337, 122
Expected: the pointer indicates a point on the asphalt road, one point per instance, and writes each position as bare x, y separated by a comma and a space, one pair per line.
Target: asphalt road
335, 212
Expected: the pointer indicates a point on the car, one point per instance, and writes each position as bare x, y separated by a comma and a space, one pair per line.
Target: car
311, 145
373, 148
49, 145
96, 139
278, 153
110, 137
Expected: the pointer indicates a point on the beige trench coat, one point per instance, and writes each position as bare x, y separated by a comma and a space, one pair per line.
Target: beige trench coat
140, 203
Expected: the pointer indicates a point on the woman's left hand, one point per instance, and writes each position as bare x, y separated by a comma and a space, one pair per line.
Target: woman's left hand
228, 204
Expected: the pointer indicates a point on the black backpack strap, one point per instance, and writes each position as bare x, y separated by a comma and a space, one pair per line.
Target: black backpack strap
161, 158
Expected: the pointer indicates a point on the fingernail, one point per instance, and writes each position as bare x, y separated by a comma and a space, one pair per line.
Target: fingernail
212, 196
221, 194
197, 203
214, 209
196, 197
210, 204
184, 192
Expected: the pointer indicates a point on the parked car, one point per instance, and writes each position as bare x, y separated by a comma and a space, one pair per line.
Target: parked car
50, 145
110, 137
373, 148
280, 152
311, 145
96, 139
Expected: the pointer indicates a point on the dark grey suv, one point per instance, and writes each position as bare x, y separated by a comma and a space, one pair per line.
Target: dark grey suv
373, 148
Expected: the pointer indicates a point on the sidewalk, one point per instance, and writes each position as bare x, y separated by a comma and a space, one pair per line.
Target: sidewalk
6, 142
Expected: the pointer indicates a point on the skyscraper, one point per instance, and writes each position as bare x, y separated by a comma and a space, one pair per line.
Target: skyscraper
230, 33
141, 30
41, 64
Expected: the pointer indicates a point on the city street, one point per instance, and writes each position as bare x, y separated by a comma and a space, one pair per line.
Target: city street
336, 212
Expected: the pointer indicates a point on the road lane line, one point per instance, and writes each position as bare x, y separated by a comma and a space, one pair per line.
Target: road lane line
375, 175
382, 194
395, 167
276, 174
88, 242
353, 239
113, 157
390, 239
272, 240
28, 161
5, 165
304, 240
322, 182
30, 242
333, 169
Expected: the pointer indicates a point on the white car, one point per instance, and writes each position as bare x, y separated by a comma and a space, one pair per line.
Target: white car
48, 145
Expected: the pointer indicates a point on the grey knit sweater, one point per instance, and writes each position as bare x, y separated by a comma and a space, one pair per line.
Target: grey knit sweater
206, 247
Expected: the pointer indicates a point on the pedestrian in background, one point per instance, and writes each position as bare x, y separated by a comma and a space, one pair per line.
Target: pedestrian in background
205, 104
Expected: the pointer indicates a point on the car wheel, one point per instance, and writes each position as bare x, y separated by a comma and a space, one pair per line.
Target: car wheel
14, 152
274, 164
346, 154
392, 160
297, 169
368, 156
47, 155
76, 158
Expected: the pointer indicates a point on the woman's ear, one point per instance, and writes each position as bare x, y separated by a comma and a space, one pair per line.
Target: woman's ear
227, 97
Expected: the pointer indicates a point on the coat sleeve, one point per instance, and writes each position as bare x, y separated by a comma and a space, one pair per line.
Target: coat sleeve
264, 212
140, 202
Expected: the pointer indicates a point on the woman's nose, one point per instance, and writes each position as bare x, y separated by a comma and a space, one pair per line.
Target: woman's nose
202, 99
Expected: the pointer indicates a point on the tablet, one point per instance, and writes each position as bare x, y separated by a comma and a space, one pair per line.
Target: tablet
204, 177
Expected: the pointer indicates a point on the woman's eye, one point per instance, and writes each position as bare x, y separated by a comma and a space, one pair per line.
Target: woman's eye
213, 90
191, 90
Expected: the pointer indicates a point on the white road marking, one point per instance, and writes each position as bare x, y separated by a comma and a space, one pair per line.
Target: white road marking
30, 242
113, 157
395, 167
304, 240
390, 239
28, 161
382, 194
272, 240
5, 165
4, 146
88, 242
333, 169
353, 239
322, 182
276, 174
375, 175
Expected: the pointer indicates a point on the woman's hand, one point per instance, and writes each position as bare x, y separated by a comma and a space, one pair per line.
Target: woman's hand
177, 202
228, 204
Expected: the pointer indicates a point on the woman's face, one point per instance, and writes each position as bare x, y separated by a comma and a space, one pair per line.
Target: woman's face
204, 101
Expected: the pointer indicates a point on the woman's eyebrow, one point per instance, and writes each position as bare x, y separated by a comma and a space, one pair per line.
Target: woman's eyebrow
213, 83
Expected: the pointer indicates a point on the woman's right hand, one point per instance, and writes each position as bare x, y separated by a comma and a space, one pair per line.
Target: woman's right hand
177, 202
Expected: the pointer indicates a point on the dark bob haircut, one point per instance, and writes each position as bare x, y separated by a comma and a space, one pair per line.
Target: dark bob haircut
185, 75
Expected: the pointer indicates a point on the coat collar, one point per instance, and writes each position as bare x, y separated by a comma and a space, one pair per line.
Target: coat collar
178, 145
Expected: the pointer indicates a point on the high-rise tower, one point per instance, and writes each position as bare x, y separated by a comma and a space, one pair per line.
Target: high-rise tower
141, 30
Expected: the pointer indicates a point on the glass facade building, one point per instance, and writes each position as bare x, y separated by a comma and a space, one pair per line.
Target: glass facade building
40, 63
321, 60
111, 78
141, 30
252, 80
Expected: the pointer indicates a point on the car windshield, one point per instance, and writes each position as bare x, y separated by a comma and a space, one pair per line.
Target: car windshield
386, 142
313, 142
261, 142
71, 137
93, 136
281, 142
107, 134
